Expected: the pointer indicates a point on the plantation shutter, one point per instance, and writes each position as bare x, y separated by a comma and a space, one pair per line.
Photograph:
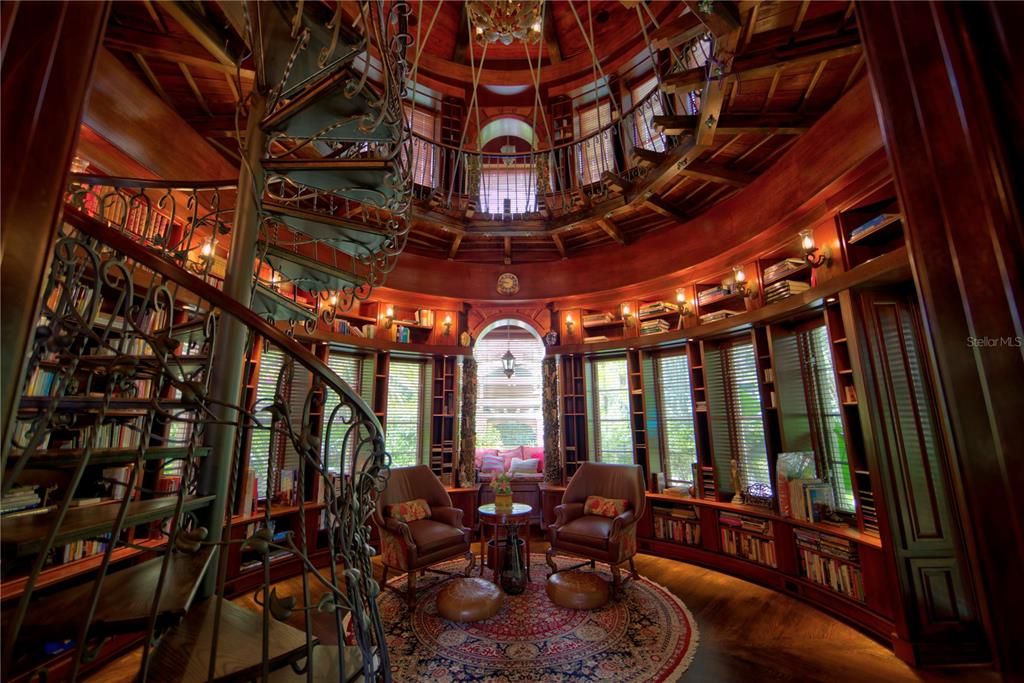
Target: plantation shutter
512, 187
347, 367
296, 391
508, 409
404, 412
676, 404
790, 384
611, 396
718, 414
595, 154
262, 447
743, 403
824, 411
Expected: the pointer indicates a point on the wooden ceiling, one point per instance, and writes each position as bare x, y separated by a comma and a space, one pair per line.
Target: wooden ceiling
793, 60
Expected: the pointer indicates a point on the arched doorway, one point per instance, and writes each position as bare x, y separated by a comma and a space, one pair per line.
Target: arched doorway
508, 411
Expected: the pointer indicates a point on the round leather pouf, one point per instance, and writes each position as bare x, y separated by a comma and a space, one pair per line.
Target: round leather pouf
578, 590
469, 599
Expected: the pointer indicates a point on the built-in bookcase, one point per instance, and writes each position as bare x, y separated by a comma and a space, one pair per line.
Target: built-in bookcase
705, 482
637, 412
444, 404
573, 396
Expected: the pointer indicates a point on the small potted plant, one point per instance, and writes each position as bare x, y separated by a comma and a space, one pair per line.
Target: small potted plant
502, 486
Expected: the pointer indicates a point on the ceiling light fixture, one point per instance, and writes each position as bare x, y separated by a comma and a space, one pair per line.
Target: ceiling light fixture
505, 21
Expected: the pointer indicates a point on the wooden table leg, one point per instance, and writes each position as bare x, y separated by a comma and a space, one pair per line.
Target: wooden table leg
527, 527
483, 547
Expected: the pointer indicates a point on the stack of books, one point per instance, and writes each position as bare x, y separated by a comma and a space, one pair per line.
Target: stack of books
739, 539
597, 319
784, 290
783, 268
712, 295
678, 524
830, 561
22, 499
657, 308
656, 326
717, 315
807, 498
595, 339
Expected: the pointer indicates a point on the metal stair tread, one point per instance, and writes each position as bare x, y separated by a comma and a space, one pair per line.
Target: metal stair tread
183, 653
332, 229
125, 600
362, 180
309, 274
22, 536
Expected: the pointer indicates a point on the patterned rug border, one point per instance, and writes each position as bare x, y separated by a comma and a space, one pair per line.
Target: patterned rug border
693, 641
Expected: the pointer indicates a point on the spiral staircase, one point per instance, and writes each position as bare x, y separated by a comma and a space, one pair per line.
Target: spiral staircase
130, 342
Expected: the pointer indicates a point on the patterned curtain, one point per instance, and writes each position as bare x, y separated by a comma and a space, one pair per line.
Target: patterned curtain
552, 456
467, 433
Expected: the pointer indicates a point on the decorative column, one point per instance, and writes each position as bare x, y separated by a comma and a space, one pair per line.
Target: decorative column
552, 455
467, 431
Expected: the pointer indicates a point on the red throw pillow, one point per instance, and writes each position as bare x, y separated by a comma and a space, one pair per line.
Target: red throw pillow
605, 507
410, 510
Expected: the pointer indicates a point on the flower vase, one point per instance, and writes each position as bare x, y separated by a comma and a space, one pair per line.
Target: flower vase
503, 501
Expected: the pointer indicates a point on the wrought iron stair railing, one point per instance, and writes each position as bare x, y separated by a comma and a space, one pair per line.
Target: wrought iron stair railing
117, 408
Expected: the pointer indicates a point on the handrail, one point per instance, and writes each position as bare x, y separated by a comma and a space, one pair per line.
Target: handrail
120, 181
93, 228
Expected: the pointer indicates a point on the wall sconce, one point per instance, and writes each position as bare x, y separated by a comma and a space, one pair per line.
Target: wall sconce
742, 285
569, 324
208, 250
809, 249
389, 316
275, 280
446, 326
684, 306
627, 314
333, 301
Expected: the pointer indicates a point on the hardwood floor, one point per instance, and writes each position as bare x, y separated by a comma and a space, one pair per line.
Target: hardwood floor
747, 633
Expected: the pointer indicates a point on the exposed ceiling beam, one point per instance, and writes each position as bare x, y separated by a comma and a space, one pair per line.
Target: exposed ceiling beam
717, 173
606, 224
812, 84
551, 36
455, 247
157, 46
765, 64
771, 90
557, 239
204, 31
659, 206
721, 20
801, 13
195, 88
151, 78
677, 31
737, 124
155, 16
751, 24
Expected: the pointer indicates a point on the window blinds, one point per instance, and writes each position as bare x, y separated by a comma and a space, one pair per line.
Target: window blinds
508, 189
262, 447
644, 134
424, 153
611, 396
676, 407
824, 412
296, 391
595, 155
508, 410
743, 405
404, 412
347, 367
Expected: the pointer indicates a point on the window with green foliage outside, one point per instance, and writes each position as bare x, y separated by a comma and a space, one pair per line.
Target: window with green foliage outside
404, 412
611, 400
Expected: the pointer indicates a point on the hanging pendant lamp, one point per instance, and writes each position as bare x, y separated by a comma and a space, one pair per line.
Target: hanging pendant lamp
508, 361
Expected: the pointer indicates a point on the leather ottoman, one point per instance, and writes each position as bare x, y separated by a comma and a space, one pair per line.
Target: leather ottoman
469, 599
578, 590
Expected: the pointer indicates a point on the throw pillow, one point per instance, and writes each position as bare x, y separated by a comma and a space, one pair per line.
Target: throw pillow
518, 466
492, 463
409, 510
605, 507
507, 456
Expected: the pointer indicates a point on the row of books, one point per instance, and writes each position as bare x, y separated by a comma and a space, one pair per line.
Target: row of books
656, 326
595, 339
806, 499
676, 530
597, 319
756, 525
784, 289
709, 296
868, 510
783, 268
77, 550
19, 499
717, 315
753, 548
827, 544
657, 308
827, 571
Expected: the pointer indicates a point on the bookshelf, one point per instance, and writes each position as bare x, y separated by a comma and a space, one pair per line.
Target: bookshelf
871, 228
769, 397
444, 402
783, 273
705, 483
637, 412
748, 538
679, 524
574, 413
719, 300
381, 365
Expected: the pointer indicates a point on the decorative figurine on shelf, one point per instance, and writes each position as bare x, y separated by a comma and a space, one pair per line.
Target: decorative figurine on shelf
502, 486
734, 467
465, 340
760, 495
551, 338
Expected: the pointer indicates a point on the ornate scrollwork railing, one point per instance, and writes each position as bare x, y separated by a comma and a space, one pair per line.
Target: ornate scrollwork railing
118, 397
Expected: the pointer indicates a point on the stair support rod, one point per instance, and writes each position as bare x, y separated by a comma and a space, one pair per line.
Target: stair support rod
232, 334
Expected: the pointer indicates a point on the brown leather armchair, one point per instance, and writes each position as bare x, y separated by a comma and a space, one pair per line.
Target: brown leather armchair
413, 546
597, 538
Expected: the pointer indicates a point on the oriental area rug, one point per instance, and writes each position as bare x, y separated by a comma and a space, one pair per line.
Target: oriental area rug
646, 634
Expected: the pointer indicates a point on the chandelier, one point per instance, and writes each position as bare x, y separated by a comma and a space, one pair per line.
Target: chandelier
508, 361
503, 21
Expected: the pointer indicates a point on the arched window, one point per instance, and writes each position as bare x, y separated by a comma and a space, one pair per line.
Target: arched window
508, 409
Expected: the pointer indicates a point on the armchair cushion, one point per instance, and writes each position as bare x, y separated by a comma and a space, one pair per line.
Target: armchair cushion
605, 507
430, 536
588, 530
447, 515
409, 510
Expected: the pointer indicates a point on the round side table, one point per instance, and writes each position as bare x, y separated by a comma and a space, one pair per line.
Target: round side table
511, 520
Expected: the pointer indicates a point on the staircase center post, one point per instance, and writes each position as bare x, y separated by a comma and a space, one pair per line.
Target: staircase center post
232, 335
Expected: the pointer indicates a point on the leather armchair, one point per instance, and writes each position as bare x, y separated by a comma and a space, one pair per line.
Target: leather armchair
594, 537
413, 546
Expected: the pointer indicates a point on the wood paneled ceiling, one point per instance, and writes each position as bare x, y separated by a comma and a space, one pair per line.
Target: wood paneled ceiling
792, 61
